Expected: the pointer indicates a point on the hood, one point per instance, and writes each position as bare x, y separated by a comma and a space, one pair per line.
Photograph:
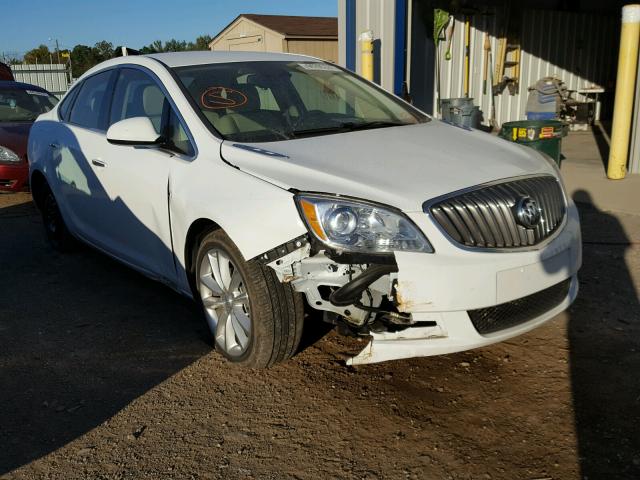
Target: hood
399, 166
14, 136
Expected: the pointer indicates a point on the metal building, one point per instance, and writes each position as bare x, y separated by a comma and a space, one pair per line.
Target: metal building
387, 19
576, 41
575, 47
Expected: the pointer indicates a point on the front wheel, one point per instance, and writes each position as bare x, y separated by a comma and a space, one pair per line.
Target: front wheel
255, 320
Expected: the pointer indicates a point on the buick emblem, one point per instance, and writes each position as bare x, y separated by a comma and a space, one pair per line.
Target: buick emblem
528, 212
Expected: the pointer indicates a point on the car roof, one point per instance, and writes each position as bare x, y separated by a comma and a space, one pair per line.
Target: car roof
183, 59
6, 84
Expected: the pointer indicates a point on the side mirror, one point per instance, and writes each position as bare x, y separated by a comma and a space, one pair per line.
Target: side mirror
133, 131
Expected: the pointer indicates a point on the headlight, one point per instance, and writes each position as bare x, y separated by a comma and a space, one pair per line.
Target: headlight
359, 226
8, 156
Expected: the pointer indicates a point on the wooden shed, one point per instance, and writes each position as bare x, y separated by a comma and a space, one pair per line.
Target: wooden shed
315, 36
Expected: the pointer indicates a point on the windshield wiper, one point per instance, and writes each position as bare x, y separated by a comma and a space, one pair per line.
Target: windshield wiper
376, 124
346, 127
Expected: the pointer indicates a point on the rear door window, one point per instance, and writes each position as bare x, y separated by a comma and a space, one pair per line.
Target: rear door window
92, 103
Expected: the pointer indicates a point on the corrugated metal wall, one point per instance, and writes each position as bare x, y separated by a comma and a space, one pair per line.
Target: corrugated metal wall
342, 33
379, 17
579, 48
52, 77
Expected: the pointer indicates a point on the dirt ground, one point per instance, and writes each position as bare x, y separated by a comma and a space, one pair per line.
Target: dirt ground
107, 375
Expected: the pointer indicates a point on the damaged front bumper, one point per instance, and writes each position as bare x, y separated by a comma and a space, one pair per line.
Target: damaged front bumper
454, 300
452, 332
517, 291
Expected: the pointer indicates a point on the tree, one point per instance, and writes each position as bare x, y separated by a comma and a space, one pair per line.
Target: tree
103, 51
174, 45
40, 54
82, 59
201, 43
155, 47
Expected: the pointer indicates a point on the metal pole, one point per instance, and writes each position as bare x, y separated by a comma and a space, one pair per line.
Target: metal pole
467, 53
366, 40
625, 89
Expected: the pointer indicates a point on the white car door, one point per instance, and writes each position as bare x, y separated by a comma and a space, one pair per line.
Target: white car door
136, 179
76, 144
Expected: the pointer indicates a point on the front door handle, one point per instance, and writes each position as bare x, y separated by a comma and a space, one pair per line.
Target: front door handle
98, 163
54, 145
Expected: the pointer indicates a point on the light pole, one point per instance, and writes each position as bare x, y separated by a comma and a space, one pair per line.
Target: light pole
57, 48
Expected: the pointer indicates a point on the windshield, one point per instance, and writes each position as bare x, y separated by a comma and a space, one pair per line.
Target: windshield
18, 105
269, 101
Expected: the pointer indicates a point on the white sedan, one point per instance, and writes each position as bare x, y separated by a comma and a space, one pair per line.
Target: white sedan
262, 185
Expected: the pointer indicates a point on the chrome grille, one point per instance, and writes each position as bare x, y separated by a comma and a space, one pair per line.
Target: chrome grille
486, 217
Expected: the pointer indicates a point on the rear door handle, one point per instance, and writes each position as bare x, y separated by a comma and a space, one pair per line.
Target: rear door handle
98, 163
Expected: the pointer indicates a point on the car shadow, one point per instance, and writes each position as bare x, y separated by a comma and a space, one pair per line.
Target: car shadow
604, 352
81, 337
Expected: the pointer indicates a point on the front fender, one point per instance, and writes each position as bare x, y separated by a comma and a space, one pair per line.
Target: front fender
257, 215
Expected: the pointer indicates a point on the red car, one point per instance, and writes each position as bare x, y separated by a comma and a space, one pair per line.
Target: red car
20, 105
5, 72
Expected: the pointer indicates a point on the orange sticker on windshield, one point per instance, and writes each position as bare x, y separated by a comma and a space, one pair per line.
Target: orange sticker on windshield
214, 98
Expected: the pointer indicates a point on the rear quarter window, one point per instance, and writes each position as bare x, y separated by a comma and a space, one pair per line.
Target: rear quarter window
67, 102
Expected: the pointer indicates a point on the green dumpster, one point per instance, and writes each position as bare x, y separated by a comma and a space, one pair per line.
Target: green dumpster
542, 135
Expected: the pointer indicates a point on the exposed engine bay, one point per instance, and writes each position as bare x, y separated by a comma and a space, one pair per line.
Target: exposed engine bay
360, 299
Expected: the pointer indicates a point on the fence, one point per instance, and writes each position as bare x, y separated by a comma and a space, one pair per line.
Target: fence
52, 77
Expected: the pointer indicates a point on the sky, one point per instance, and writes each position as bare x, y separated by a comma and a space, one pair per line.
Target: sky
135, 23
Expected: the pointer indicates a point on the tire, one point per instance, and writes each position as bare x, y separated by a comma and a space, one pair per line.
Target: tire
262, 318
55, 229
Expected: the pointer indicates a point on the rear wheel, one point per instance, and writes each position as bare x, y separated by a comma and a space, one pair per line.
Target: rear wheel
255, 320
54, 226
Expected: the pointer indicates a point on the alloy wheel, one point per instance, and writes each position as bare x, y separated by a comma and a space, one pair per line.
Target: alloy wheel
226, 302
